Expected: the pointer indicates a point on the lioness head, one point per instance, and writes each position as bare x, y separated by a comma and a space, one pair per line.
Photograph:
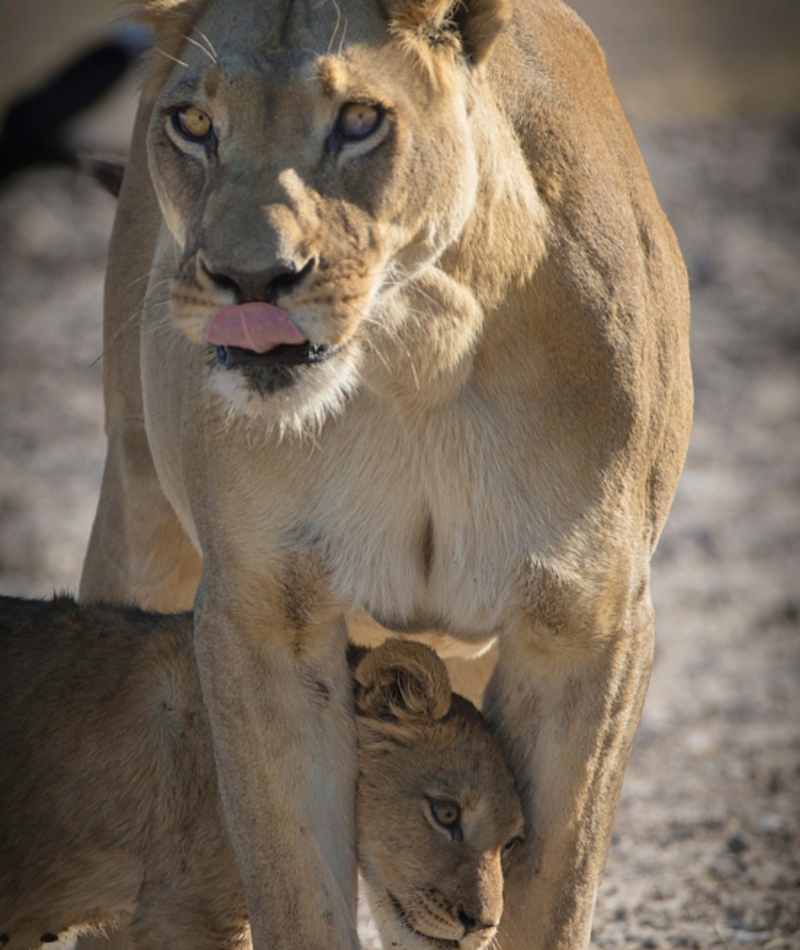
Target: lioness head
310, 160
437, 808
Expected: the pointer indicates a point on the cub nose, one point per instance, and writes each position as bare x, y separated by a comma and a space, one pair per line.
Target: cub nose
264, 285
473, 924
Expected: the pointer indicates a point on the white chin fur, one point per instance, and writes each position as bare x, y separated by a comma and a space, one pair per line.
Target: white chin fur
298, 409
392, 932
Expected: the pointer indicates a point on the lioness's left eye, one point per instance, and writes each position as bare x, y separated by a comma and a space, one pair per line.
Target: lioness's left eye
357, 120
193, 123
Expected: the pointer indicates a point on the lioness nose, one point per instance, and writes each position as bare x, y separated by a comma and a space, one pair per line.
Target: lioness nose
265, 285
473, 924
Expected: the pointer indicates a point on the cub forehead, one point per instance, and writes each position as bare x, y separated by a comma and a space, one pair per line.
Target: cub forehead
471, 768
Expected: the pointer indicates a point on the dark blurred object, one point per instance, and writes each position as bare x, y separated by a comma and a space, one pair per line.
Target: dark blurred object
33, 129
107, 170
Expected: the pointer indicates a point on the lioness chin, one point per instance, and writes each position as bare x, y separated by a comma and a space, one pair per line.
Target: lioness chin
111, 816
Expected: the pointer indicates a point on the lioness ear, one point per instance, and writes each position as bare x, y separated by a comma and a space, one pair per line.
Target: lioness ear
402, 681
107, 170
158, 12
170, 23
477, 22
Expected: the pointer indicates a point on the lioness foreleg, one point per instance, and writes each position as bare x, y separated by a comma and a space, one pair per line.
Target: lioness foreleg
566, 707
286, 761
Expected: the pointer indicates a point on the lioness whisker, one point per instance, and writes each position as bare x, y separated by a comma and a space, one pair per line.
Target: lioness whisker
120, 331
147, 276
341, 41
180, 62
200, 46
336, 25
210, 44
126, 323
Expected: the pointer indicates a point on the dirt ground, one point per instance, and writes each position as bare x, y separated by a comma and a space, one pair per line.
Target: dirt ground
706, 852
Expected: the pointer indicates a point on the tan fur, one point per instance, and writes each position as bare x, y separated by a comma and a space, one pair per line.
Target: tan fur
111, 813
489, 454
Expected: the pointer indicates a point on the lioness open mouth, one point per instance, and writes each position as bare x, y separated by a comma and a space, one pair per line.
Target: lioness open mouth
285, 354
281, 367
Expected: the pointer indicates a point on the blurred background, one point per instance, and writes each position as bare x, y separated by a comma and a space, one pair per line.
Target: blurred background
706, 853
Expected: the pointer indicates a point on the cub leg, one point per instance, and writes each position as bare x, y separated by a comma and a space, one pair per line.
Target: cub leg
565, 707
188, 916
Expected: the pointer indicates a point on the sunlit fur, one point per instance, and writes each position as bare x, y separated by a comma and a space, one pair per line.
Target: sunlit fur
490, 453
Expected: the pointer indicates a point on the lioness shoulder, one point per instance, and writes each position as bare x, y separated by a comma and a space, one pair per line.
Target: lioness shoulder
110, 810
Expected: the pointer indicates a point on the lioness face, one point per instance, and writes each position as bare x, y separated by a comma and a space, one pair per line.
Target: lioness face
307, 170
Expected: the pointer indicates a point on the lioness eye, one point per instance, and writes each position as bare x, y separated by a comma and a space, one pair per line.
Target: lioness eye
194, 123
447, 814
357, 120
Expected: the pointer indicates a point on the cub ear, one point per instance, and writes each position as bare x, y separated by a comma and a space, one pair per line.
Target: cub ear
477, 22
402, 681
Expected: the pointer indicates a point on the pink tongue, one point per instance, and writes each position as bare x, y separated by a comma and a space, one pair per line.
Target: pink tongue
253, 326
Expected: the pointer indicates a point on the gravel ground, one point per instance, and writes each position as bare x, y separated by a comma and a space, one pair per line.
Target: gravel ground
706, 852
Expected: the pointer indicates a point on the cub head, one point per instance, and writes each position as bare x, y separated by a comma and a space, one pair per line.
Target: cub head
437, 810
310, 160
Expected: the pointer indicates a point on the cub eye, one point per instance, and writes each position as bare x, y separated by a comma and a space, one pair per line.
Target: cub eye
193, 123
357, 120
447, 814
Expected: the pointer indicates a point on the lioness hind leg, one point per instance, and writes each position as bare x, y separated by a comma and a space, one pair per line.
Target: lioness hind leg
566, 714
146, 560
138, 552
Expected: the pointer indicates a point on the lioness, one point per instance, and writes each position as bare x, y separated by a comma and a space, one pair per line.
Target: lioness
110, 809
394, 324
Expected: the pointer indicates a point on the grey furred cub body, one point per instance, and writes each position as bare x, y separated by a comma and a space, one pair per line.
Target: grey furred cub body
110, 813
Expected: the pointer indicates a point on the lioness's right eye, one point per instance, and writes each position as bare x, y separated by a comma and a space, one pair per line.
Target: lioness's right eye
193, 123
357, 120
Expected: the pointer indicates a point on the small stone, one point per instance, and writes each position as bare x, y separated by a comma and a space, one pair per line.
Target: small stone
736, 844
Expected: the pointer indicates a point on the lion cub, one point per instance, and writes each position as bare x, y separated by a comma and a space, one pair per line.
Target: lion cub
110, 814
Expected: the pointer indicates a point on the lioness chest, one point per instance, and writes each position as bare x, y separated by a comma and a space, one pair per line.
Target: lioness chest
424, 522
417, 527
